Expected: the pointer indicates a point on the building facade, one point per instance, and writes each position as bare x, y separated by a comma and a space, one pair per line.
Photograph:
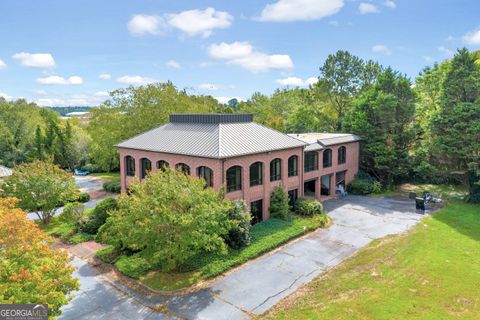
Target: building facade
245, 158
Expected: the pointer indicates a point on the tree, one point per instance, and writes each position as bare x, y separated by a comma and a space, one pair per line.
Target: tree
41, 187
343, 75
170, 217
134, 110
383, 116
279, 207
239, 234
31, 270
455, 128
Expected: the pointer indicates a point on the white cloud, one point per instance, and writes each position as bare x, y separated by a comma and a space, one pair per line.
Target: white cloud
296, 82
3, 65
57, 80
300, 10
35, 60
380, 48
390, 4
334, 23
365, 8
428, 59
472, 38
142, 24
191, 22
224, 100
244, 55
6, 96
40, 92
105, 76
47, 102
208, 86
135, 80
173, 64
101, 94
200, 22
446, 51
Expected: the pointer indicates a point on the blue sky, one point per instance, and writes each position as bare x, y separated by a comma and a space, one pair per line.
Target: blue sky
73, 52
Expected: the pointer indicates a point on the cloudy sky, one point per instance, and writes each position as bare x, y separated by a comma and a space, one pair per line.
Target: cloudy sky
74, 52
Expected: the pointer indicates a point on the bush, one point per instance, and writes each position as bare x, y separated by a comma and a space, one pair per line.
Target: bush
73, 214
376, 187
83, 197
279, 208
239, 235
133, 266
360, 186
108, 254
308, 207
99, 215
112, 186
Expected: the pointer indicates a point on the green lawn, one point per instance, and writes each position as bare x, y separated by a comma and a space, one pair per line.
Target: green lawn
444, 191
65, 231
432, 272
265, 236
107, 175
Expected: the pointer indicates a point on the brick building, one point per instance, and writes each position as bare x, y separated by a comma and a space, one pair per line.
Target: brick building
246, 158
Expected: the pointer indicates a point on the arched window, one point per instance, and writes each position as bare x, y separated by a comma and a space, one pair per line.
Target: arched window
162, 164
293, 166
327, 158
342, 155
146, 167
234, 178
256, 174
130, 166
183, 167
275, 169
206, 174
311, 161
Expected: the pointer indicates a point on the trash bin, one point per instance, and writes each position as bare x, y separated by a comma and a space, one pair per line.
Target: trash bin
420, 203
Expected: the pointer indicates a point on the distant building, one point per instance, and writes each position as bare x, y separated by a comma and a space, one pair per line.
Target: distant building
246, 158
83, 116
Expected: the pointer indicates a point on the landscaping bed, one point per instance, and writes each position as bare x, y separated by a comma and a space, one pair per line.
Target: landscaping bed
265, 236
431, 272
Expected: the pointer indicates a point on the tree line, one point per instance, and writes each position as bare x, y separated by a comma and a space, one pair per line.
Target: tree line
427, 130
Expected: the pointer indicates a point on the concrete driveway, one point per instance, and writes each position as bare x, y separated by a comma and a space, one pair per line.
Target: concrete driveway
256, 287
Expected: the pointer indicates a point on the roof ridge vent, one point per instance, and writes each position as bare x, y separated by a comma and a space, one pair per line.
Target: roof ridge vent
211, 118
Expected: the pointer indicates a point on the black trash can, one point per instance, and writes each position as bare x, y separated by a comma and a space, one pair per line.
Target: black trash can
420, 203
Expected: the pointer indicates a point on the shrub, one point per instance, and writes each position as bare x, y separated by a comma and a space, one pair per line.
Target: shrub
239, 235
112, 186
279, 208
99, 215
83, 197
360, 186
376, 187
133, 266
108, 254
73, 214
79, 238
308, 207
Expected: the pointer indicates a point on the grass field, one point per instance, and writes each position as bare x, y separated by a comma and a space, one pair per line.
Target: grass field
432, 272
107, 175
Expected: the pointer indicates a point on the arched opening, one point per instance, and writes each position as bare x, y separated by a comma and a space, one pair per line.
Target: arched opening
311, 161
275, 169
130, 166
162, 164
342, 155
206, 174
327, 158
293, 166
256, 174
146, 167
183, 167
234, 178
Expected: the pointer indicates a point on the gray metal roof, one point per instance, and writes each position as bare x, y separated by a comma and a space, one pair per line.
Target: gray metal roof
212, 136
5, 172
318, 141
